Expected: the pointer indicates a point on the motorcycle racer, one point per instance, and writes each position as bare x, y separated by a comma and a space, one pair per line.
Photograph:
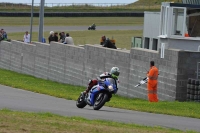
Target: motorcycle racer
112, 77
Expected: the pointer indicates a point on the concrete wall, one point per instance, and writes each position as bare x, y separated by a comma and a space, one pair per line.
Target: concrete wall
28, 59
140, 59
16, 57
187, 68
5, 54
42, 60
76, 65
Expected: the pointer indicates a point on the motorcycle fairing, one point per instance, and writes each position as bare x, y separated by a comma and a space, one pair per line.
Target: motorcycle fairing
94, 91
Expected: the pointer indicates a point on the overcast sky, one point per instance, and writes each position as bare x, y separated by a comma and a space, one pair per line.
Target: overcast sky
73, 1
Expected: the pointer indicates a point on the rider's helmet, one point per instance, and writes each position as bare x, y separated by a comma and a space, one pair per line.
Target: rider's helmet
51, 33
114, 72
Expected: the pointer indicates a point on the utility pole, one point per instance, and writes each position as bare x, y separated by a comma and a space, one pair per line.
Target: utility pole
31, 21
41, 20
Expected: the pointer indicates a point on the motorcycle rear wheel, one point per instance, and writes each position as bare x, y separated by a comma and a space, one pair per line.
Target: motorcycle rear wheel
100, 100
80, 103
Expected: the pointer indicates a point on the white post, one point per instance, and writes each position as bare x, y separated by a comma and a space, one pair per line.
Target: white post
184, 22
162, 53
199, 48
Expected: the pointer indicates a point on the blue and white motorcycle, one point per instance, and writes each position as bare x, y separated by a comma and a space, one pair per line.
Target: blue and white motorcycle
99, 94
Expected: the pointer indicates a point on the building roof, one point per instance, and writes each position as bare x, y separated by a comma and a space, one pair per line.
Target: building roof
184, 5
194, 2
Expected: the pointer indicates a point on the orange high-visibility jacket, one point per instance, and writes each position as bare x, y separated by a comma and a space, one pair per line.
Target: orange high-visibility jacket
152, 84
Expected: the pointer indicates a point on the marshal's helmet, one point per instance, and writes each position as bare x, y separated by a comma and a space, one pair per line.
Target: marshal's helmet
114, 72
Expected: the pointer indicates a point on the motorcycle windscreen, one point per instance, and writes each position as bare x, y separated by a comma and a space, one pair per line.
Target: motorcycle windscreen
111, 81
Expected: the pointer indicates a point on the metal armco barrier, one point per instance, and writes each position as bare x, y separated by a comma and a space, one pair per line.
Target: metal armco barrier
75, 14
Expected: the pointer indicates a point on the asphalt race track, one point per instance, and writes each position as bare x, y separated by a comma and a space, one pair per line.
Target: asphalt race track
21, 100
12, 29
16, 99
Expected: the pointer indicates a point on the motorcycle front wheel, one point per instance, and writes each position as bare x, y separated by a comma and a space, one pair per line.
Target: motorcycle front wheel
100, 100
80, 103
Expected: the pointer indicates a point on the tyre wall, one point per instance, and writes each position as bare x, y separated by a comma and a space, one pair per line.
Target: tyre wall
193, 90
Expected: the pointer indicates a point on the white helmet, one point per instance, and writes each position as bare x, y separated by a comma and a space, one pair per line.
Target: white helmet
114, 72
51, 32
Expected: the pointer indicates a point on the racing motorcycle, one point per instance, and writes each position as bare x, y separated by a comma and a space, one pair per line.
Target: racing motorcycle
98, 95
92, 27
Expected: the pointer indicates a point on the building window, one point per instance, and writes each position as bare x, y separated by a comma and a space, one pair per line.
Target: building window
178, 21
155, 44
146, 43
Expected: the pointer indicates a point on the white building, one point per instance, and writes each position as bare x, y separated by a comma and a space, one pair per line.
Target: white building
177, 26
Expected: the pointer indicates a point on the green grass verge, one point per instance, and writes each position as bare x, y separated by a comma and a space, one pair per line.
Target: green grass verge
85, 8
141, 8
152, 2
13, 121
122, 37
13, 79
72, 21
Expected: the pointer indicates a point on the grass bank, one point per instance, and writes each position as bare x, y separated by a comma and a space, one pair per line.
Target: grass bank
17, 122
122, 37
140, 8
151, 2
85, 8
187, 109
140, 5
72, 21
